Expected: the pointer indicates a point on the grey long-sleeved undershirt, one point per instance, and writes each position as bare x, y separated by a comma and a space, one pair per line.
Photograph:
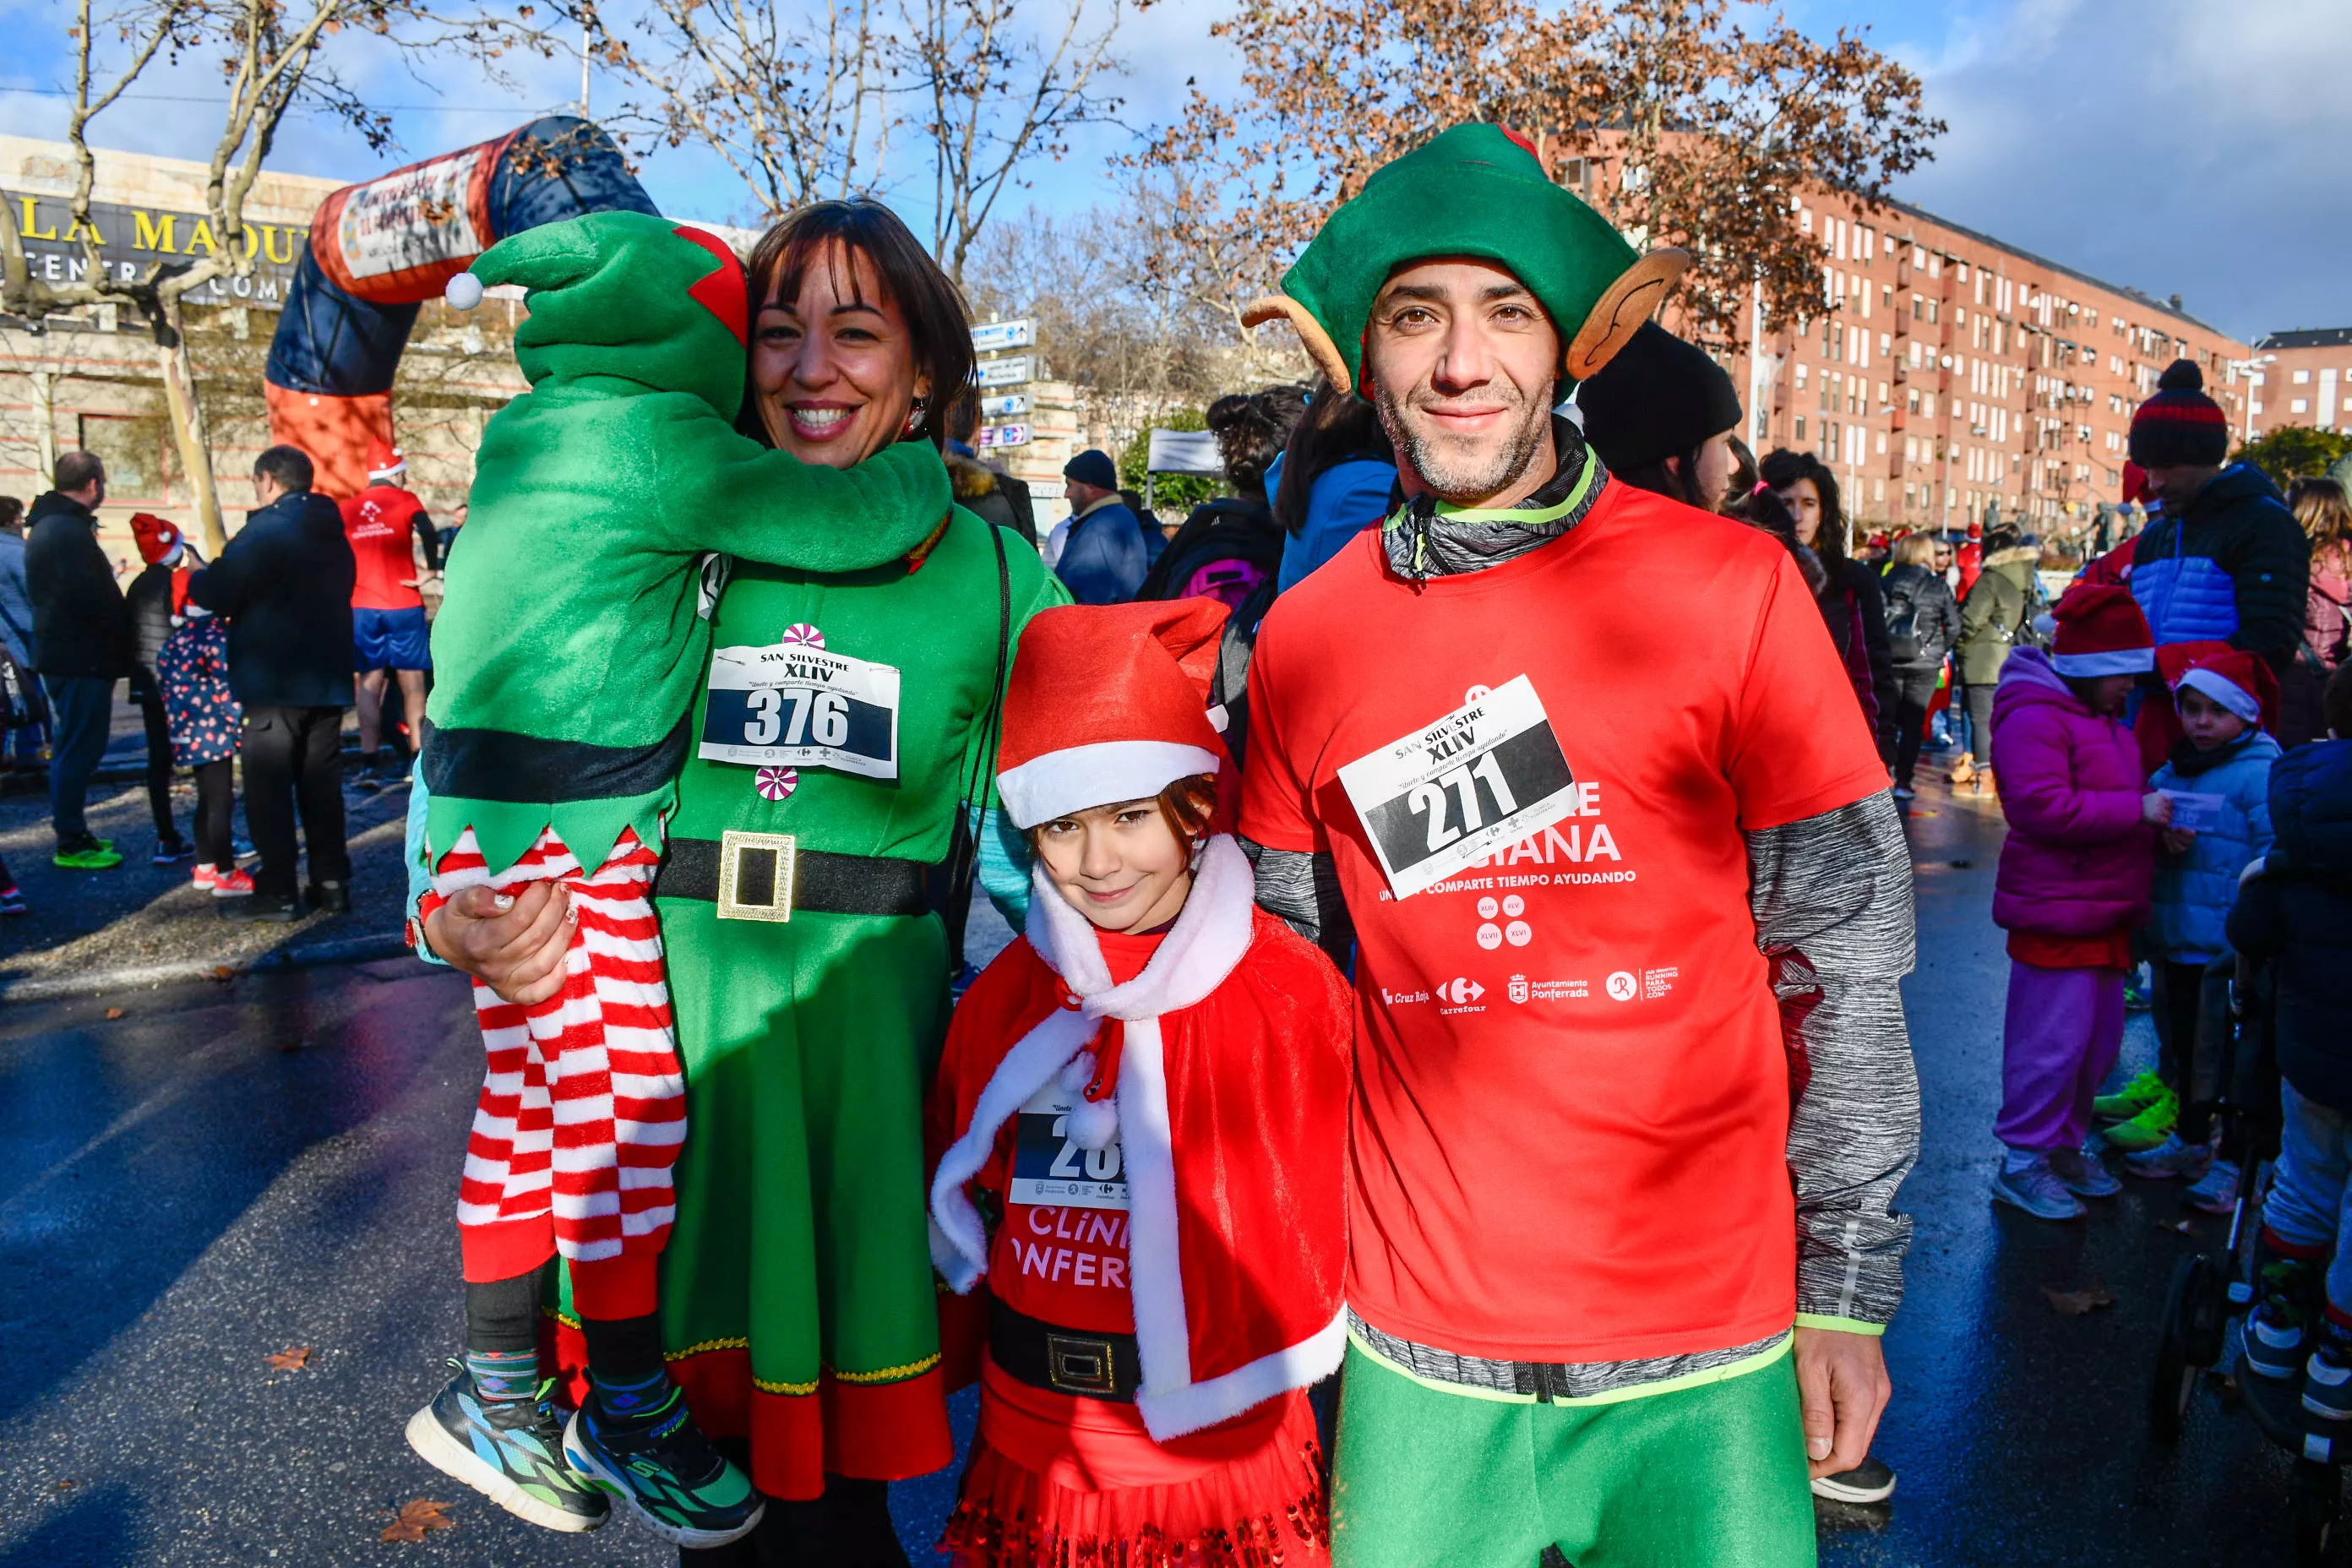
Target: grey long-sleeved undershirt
1831, 897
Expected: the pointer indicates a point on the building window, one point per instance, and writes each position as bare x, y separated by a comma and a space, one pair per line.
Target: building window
2300, 406
2302, 376
1800, 429
132, 447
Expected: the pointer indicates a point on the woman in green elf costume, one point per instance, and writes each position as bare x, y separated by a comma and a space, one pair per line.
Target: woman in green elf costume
845, 723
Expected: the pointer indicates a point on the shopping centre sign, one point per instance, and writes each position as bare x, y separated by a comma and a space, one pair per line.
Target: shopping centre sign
130, 239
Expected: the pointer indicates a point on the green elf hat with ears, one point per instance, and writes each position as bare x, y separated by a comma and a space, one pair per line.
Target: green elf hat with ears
1475, 191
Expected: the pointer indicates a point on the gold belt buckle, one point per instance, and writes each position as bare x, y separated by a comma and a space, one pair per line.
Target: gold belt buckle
1082, 1366
755, 876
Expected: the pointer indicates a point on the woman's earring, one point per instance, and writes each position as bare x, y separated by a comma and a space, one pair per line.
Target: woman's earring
914, 417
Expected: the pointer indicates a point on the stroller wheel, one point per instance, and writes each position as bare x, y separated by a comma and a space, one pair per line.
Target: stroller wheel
2318, 1512
2195, 1296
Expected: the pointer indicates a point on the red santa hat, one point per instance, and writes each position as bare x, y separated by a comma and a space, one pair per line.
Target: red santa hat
385, 461
1106, 703
2237, 680
2101, 632
158, 541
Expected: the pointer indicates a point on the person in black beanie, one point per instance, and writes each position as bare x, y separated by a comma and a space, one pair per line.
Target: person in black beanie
2222, 560
1661, 415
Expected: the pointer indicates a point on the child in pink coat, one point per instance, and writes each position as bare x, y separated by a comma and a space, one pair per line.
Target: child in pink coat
2073, 882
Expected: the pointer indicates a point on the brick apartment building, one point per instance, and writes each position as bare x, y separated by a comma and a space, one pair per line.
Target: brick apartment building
2304, 378
1950, 373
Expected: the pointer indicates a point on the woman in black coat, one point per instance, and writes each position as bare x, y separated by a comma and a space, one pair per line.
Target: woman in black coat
1923, 625
1810, 491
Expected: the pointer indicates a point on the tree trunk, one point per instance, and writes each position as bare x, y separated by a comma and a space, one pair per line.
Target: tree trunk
45, 432
188, 429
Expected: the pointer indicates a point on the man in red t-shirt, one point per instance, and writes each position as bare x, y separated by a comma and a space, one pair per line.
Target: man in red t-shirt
393, 541
1631, 902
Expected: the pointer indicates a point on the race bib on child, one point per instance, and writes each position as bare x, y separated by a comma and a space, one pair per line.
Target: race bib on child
1480, 779
792, 704
1048, 1166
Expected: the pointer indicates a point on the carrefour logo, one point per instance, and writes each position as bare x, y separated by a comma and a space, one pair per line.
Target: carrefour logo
1460, 993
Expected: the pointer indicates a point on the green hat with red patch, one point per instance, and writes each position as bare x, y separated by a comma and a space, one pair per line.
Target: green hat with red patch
1479, 192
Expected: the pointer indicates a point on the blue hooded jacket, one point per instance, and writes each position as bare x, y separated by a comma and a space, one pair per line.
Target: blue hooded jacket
2194, 890
2298, 914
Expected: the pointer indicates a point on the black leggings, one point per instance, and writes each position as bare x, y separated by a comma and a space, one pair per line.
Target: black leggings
216, 810
1913, 689
2179, 1012
150, 702
1980, 705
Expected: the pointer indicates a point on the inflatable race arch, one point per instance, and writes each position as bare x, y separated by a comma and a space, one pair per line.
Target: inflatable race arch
380, 248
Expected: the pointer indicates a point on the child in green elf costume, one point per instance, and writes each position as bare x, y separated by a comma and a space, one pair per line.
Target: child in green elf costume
568, 648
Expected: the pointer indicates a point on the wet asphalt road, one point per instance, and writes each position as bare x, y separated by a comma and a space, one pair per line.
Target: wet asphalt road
223, 1172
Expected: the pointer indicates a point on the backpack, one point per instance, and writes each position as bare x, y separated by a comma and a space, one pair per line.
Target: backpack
1905, 643
1225, 549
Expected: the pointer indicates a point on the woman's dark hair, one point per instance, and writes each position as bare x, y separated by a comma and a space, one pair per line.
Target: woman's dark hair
1337, 427
1250, 428
1783, 468
937, 322
1678, 482
11, 509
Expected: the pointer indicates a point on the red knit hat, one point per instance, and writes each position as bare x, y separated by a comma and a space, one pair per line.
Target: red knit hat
156, 537
2237, 680
385, 461
1109, 702
2102, 632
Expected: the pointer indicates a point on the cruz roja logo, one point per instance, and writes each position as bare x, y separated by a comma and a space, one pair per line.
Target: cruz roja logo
1622, 986
1460, 993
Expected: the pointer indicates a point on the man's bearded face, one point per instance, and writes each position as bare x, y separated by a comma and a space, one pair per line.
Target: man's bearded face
1462, 362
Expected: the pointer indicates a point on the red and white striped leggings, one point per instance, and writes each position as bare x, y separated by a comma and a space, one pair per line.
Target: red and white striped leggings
584, 1107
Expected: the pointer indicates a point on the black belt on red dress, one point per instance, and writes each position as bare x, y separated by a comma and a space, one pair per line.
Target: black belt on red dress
762, 876
1067, 1360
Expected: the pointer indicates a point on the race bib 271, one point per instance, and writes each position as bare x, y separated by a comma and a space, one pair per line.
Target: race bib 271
1485, 776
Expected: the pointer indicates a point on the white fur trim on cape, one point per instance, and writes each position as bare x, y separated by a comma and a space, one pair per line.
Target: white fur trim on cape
1077, 777
959, 1240
1200, 1404
2120, 661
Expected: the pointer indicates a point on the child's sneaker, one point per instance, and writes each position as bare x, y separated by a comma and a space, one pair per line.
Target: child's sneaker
2216, 1192
12, 902
85, 854
2327, 1379
662, 1466
170, 851
2034, 1187
509, 1450
2276, 1329
2080, 1171
2137, 998
2170, 1161
232, 883
202, 875
2129, 1100
2148, 1128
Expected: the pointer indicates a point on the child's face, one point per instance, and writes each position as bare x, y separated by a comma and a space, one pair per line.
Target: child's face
1121, 866
2208, 725
2104, 694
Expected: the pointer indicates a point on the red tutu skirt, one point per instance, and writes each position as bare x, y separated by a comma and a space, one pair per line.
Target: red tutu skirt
1058, 1481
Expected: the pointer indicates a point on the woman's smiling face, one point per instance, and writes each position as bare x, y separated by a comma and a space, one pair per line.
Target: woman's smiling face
833, 365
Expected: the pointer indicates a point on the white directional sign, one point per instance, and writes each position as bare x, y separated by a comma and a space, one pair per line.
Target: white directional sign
1005, 434
990, 336
1014, 372
1006, 406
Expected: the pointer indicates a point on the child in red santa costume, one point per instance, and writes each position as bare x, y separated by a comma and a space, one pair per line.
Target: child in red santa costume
1141, 1115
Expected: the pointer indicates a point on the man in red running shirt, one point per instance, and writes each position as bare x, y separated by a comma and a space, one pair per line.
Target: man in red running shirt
394, 542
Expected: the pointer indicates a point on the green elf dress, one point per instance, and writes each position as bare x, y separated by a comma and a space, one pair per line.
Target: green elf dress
798, 1303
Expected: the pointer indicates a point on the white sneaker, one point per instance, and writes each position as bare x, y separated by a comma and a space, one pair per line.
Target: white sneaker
2037, 1190
2170, 1161
2081, 1173
2217, 1191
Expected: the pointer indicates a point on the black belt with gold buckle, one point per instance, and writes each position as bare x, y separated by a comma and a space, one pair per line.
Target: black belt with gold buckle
768, 877
1067, 1360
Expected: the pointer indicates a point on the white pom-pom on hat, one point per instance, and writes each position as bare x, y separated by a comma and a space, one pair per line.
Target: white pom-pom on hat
464, 291
1094, 1123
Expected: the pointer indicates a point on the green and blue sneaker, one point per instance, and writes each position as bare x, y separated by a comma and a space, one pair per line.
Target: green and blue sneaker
640, 1443
2148, 1127
86, 854
2129, 1100
508, 1449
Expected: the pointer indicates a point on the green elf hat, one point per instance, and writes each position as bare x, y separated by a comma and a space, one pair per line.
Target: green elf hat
1474, 191
622, 297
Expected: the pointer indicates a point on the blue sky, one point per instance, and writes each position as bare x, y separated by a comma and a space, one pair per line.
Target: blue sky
2194, 147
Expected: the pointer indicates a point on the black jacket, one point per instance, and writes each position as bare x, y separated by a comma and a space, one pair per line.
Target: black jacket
997, 497
1860, 584
2298, 913
148, 600
1918, 596
80, 625
2241, 525
285, 585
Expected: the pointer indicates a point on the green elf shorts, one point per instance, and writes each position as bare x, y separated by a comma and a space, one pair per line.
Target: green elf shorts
1429, 1474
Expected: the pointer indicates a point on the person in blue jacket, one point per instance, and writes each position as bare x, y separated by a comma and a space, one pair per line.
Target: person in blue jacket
2217, 777
1103, 557
1332, 481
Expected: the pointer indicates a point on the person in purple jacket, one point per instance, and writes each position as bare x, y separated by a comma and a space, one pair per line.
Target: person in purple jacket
2074, 880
